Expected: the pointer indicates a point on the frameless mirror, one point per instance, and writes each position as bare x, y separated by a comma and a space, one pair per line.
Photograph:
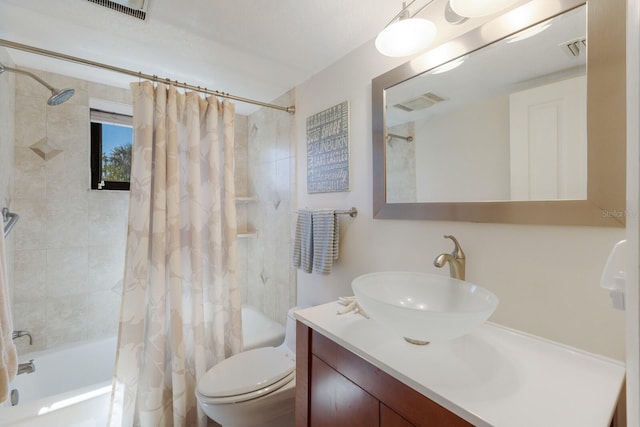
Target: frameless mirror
498, 133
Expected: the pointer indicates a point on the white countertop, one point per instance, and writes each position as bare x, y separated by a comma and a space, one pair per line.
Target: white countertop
493, 377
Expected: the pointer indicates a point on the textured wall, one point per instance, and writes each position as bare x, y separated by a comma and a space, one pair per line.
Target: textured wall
271, 284
69, 244
7, 135
401, 164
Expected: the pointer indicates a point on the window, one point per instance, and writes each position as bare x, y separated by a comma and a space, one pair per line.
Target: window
111, 139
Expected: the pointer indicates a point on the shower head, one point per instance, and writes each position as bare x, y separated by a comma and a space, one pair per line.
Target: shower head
58, 96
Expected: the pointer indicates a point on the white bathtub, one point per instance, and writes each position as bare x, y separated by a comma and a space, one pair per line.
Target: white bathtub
67, 380
72, 385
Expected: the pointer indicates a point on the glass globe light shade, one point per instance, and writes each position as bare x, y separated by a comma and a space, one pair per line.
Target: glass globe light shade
406, 37
478, 8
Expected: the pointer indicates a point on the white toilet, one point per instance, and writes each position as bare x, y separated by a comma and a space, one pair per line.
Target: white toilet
253, 388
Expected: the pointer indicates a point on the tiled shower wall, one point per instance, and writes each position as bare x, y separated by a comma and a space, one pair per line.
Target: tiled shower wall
7, 131
69, 244
401, 165
271, 281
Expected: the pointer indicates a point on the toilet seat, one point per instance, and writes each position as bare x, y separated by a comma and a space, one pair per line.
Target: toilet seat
247, 376
248, 396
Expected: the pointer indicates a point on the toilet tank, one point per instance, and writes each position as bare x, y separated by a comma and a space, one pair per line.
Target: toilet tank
290, 330
258, 330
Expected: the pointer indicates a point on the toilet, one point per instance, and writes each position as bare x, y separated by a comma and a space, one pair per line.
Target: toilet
253, 388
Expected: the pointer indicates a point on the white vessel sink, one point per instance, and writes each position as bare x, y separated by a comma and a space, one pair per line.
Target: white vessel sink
424, 307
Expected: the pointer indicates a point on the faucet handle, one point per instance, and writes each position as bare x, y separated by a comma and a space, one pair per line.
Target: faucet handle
19, 334
457, 252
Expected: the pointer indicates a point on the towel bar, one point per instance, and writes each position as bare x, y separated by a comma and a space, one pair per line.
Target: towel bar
10, 218
353, 212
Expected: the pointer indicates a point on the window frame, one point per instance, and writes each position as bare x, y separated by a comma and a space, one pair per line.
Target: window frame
96, 120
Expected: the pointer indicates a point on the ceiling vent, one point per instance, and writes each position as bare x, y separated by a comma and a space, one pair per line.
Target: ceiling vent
574, 48
420, 103
135, 8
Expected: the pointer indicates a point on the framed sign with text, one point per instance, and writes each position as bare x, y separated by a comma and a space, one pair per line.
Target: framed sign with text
328, 150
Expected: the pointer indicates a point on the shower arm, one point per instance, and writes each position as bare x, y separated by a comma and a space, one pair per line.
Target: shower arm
57, 96
33, 76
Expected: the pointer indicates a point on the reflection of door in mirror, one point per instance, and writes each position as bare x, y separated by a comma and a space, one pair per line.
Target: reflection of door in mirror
507, 122
548, 141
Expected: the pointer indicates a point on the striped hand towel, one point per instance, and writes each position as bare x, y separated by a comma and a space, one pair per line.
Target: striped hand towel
326, 240
303, 243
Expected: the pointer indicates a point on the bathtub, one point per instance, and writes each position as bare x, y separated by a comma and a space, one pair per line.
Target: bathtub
67, 380
72, 384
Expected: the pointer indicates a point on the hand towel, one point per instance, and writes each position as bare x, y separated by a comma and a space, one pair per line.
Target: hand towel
326, 243
8, 355
303, 243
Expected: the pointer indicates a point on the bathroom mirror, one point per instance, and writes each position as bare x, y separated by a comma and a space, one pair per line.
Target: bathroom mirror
495, 126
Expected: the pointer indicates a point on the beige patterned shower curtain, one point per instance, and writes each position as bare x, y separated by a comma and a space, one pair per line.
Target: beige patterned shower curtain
180, 310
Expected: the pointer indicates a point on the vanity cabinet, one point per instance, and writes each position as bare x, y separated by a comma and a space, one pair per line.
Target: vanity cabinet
335, 387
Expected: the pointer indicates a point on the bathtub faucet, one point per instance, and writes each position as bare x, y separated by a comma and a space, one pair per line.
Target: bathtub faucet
18, 334
26, 368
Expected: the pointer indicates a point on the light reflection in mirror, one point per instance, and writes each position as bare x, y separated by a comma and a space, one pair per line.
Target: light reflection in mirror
507, 122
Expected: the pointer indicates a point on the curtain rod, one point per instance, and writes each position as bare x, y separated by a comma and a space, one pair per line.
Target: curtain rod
153, 78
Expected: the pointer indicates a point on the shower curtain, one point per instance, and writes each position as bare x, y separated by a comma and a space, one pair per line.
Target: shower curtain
180, 309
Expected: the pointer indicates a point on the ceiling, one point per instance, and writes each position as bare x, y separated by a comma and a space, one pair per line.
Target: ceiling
252, 48
256, 49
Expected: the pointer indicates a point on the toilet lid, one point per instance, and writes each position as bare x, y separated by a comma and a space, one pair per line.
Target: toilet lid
248, 372
239, 398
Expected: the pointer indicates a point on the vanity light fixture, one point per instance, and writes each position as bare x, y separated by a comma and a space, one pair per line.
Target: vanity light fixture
405, 34
478, 8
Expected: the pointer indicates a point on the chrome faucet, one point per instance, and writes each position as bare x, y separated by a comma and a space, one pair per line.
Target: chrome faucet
26, 368
455, 259
18, 334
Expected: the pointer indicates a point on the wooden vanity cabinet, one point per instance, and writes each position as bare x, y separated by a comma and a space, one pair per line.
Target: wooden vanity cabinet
335, 387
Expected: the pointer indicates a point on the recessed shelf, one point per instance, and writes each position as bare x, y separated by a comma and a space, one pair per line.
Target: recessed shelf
246, 234
246, 199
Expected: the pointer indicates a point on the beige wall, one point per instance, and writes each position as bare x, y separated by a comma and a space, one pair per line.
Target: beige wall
270, 281
547, 278
7, 135
401, 164
457, 162
69, 244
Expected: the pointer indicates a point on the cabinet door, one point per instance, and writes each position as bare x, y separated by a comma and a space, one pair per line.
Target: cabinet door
390, 418
336, 401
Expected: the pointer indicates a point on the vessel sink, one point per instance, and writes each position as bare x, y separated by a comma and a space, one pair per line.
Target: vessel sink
424, 307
